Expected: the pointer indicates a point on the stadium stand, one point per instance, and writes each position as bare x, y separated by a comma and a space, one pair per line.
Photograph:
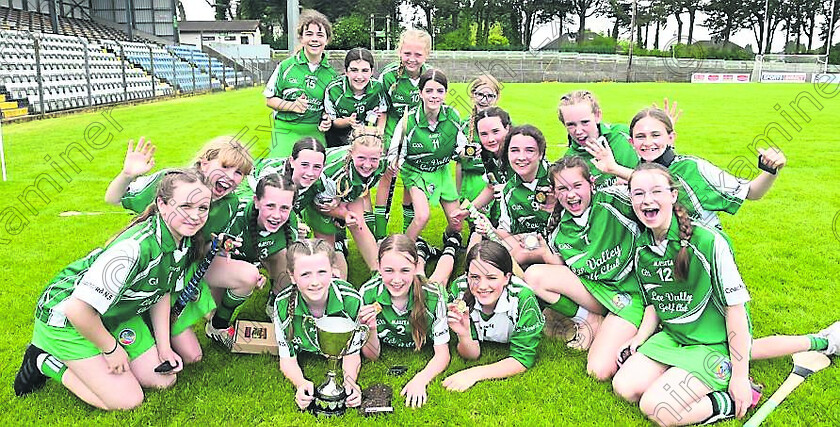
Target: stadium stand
91, 64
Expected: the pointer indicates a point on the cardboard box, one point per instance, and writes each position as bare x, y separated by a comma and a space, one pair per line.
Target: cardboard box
255, 337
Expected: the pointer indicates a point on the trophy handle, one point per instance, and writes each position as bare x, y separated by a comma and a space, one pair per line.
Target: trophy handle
310, 319
356, 344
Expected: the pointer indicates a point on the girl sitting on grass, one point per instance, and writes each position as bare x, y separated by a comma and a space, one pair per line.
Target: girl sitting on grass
404, 312
89, 332
490, 305
314, 293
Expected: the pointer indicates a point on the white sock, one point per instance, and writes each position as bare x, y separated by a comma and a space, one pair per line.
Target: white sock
581, 315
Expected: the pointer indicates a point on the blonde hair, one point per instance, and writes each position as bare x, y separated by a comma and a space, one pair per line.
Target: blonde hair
415, 34
577, 97
367, 136
228, 151
480, 81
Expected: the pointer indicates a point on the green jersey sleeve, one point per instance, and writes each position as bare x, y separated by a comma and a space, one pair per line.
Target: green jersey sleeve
283, 321
141, 192
708, 186
526, 334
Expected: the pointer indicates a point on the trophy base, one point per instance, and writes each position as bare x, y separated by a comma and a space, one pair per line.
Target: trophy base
329, 406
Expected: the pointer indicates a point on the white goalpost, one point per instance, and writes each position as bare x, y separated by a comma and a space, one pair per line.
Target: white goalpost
785, 68
2, 152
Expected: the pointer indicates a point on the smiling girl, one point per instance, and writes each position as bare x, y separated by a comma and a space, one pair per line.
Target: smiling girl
432, 138
354, 99
581, 114
405, 313
704, 188
400, 81
89, 334
591, 264
313, 294
497, 307
295, 91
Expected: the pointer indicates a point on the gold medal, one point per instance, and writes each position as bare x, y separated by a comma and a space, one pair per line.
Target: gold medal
461, 305
540, 197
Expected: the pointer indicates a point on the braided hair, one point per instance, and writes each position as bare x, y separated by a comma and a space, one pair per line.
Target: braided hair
681, 261
305, 143
577, 97
301, 247
567, 162
367, 136
280, 183
419, 318
410, 34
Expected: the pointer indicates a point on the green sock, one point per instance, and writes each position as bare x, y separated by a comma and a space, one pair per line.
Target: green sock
817, 343
380, 228
230, 301
51, 367
408, 216
565, 307
370, 220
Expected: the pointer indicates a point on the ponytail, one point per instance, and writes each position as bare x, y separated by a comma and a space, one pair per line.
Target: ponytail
418, 319
686, 231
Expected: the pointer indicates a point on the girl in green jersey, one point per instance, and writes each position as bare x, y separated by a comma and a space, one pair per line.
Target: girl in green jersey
489, 304
400, 80
431, 137
354, 99
295, 91
136, 272
349, 174
590, 263
691, 286
404, 312
314, 293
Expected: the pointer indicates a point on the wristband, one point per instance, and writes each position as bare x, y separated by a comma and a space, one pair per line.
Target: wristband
108, 353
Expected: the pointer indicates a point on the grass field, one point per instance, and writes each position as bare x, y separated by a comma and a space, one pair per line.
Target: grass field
786, 246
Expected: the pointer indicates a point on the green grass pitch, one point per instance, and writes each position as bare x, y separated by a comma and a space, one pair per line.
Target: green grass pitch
786, 247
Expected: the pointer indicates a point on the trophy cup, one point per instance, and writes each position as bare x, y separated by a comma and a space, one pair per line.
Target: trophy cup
336, 337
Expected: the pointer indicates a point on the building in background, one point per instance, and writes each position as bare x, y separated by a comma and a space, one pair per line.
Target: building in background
198, 33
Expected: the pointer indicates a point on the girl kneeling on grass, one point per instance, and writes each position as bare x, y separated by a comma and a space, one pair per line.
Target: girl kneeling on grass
349, 174
224, 162
403, 312
691, 286
491, 305
314, 293
527, 199
431, 137
89, 333
591, 264
704, 188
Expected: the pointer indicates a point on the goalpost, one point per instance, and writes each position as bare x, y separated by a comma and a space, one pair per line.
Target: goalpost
2, 151
779, 68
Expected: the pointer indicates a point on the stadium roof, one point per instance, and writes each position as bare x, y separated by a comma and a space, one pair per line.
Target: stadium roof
218, 26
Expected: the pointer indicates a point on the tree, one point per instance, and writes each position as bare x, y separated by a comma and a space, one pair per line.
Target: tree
724, 18
620, 11
271, 14
538, 12
584, 9
351, 31
222, 7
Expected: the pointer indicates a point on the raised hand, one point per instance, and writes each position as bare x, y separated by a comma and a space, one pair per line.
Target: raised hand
139, 159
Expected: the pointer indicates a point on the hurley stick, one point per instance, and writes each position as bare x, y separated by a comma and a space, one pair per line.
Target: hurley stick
394, 178
804, 365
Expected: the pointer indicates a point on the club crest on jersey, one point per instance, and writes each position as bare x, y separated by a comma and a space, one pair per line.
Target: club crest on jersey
430, 188
127, 336
621, 300
723, 370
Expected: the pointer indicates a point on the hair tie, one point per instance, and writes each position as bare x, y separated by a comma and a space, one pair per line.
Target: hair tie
683, 242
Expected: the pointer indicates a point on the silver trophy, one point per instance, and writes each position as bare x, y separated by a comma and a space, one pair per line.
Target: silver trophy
337, 337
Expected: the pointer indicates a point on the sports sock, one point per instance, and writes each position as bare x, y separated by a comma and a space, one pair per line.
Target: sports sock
565, 307
723, 407
50, 366
380, 228
230, 301
817, 343
370, 220
581, 315
408, 216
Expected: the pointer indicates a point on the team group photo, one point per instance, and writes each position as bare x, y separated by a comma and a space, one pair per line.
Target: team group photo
381, 231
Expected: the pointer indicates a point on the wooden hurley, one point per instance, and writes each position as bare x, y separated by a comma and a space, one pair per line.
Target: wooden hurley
805, 364
517, 269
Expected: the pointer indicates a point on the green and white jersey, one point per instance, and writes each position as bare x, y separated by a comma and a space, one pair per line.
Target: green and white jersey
692, 311
340, 178
524, 203
600, 244
264, 167
392, 324
124, 279
428, 148
341, 102
258, 244
497, 168
401, 92
295, 77
706, 189
471, 164
618, 138
517, 319
342, 301
141, 193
